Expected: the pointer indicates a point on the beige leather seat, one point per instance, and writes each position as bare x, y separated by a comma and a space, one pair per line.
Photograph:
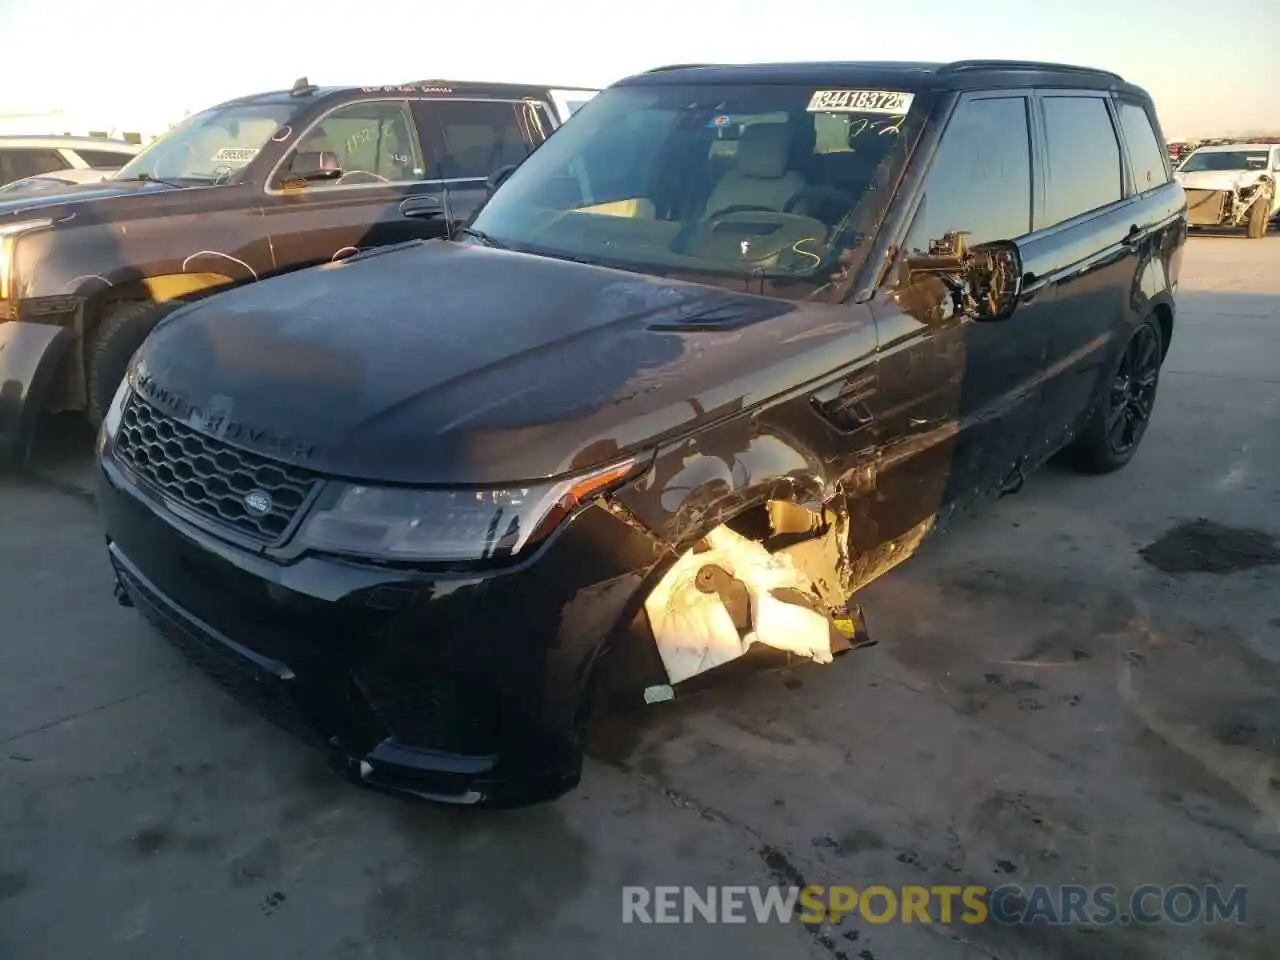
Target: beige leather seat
759, 177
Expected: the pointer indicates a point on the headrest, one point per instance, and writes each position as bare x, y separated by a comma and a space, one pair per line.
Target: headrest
311, 160
763, 149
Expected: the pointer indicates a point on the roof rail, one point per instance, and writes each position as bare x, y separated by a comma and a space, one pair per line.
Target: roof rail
963, 66
678, 66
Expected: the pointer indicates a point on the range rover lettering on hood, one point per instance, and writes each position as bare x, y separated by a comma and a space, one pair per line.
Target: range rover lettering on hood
215, 420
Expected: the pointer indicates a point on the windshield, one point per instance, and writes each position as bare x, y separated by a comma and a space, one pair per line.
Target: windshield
211, 147
1225, 160
727, 183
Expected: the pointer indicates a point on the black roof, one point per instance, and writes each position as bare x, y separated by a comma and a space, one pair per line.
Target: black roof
892, 74
313, 93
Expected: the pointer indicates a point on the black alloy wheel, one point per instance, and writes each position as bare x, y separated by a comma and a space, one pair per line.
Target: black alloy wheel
1110, 437
1133, 391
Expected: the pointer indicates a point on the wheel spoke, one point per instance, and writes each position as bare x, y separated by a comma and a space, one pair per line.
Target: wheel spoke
1116, 431
1140, 410
1148, 351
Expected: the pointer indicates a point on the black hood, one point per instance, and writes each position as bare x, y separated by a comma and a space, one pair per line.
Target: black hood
60, 203
443, 363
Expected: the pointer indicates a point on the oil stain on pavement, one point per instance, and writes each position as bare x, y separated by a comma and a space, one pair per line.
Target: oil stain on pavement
1202, 546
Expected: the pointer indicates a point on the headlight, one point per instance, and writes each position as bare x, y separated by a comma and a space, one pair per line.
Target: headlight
111, 421
451, 525
8, 237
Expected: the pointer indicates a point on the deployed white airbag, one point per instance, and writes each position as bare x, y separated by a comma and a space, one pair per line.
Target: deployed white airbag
695, 631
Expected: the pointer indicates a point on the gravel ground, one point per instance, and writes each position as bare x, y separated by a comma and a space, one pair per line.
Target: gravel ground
1078, 685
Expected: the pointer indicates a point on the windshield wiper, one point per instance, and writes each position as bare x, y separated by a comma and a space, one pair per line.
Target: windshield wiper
148, 178
483, 237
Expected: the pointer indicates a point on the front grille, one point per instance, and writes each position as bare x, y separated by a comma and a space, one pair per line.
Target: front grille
207, 476
252, 685
433, 709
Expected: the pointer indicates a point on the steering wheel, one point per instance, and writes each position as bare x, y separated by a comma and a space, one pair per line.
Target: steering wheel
370, 177
740, 208
816, 196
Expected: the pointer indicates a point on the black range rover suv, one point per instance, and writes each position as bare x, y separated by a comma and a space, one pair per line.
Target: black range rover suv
722, 350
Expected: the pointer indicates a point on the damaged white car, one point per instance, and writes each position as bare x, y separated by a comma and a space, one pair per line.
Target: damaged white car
1232, 185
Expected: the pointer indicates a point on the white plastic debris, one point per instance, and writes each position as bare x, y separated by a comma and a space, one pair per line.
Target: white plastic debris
695, 632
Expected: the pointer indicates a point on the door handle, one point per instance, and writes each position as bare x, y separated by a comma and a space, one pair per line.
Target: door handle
1133, 239
422, 208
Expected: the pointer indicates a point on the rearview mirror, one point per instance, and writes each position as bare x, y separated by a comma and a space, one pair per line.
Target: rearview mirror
985, 281
498, 177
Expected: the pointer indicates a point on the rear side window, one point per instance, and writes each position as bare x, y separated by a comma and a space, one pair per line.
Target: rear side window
980, 180
18, 162
482, 136
1084, 157
1145, 152
104, 159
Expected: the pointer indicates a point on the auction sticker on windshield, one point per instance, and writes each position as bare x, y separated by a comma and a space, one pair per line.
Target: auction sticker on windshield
861, 101
234, 155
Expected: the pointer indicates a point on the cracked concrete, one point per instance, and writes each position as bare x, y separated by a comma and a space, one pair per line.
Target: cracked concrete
1044, 705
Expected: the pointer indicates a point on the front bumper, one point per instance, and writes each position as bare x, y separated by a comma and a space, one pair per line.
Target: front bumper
464, 687
1222, 208
29, 358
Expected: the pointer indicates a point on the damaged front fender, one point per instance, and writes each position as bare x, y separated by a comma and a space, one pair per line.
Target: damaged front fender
758, 520
29, 357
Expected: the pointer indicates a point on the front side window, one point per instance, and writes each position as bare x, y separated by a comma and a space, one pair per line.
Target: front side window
215, 146
979, 183
724, 183
1084, 157
480, 136
1203, 161
366, 142
1148, 159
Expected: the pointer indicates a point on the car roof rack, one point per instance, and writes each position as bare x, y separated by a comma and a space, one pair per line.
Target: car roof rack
966, 66
679, 66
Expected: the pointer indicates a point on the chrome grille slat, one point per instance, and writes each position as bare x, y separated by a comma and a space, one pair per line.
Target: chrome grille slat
206, 475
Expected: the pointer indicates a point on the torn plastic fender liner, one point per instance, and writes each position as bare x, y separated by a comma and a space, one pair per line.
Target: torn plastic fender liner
714, 603
29, 357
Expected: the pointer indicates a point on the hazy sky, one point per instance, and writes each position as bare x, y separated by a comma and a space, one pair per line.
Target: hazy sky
1212, 65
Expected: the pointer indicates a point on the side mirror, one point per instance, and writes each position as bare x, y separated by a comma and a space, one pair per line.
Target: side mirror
498, 177
985, 281
312, 166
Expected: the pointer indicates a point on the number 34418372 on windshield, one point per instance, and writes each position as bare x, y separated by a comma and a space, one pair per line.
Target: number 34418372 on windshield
861, 101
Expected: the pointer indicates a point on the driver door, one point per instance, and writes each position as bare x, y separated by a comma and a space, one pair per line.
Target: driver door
375, 190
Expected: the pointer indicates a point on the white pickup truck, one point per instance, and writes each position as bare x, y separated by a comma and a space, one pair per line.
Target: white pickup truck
1232, 185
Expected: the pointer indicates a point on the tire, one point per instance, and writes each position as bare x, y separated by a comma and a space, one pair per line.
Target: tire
1112, 435
1259, 215
115, 342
